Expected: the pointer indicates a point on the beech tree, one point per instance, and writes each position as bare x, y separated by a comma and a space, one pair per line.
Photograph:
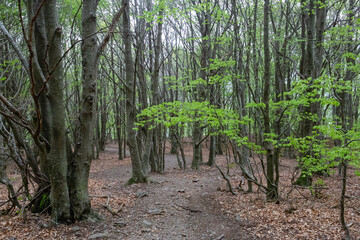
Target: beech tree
68, 175
138, 174
258, 80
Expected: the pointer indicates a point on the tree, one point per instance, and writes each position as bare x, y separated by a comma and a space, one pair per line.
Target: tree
57, 161
138, 174
271, 162
80, 166
178, 69
314, 16
69, 199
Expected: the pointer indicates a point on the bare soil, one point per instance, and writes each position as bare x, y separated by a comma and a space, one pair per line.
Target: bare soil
187, 204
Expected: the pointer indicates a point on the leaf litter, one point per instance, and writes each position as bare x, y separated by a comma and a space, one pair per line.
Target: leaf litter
207, 209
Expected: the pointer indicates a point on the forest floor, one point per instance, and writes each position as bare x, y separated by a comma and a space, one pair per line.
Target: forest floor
188, 204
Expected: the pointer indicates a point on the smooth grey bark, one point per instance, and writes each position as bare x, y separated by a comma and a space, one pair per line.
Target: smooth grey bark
204, 23
145, 133
213, 94
57, 161
80, 166
138, 175
255, 65
306, 67
154, 135
307, 124
271, 188
103, 118
303, 37
279, 89
174, 96
57, 145
116, 107
240, 97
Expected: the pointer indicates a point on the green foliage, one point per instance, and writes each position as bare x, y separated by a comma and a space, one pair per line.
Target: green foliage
173, 113
316, 188
7, 67
45, 200
312, 153
218, 121
153, 16
259, 105
9, 9
219, 63
316, 153
70, 11
349, 150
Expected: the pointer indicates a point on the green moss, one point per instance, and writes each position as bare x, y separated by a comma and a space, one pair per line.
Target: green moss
137, 180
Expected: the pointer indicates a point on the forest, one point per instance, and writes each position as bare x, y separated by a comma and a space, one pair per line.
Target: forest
188, 119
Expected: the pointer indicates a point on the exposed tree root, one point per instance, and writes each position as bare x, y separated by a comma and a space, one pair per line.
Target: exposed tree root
137, 180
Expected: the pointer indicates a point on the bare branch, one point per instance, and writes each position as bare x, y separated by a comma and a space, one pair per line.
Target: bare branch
110, 31
15, 46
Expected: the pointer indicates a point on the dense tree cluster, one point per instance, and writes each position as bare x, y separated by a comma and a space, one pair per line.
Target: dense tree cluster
263, 78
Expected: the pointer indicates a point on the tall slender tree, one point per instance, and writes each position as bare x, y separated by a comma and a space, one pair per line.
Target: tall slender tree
138, 174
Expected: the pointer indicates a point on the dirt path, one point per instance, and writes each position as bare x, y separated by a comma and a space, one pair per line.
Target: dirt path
179, 206
193, 205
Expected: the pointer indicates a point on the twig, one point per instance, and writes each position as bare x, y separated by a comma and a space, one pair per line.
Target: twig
113, 211
107, 205
227, 180
187, 208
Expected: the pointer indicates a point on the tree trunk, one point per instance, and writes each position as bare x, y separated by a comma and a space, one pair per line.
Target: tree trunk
272, 188
240, 98
137, 169
204, 22
346, 116
116, 107
80, 167
312, 67
155, 133
57, 161
103, 116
